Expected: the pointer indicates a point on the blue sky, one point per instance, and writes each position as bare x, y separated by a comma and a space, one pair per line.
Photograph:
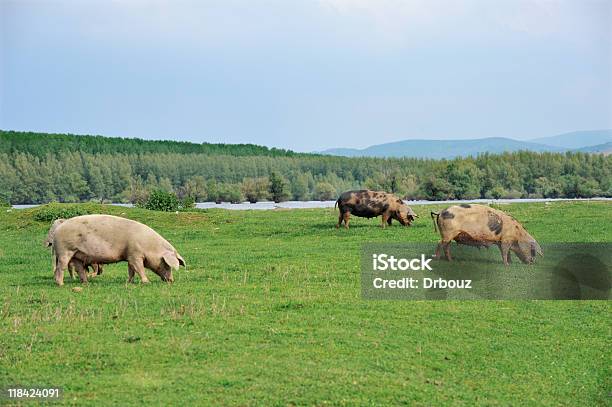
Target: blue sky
306, 74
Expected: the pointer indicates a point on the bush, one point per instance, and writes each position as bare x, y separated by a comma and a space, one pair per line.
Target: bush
188, 202
53, 211
4, 204
160, 200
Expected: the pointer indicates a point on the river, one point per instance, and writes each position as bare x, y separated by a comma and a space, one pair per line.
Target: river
330, 204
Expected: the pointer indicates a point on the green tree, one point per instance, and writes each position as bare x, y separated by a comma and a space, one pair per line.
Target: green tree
464, 177
137, 193
194, 187
165, 184
255, 189
324, 191
278, 188
409, 187
299, 187
230, 193
9, 181
547, 188
212, 191
437, 189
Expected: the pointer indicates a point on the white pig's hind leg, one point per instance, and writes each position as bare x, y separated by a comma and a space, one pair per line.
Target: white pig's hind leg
61, 265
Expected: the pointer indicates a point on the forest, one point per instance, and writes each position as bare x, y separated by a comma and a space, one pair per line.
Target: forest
40, 168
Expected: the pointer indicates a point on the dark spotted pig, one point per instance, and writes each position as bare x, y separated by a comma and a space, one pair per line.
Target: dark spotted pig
482, 226
370, 204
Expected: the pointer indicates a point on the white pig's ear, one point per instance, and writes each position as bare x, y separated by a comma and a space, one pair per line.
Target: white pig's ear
171, 260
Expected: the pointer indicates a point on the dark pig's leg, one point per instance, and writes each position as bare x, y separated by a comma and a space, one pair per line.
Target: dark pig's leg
347, 217
505, 249
438, 247
340, 217
385, 219
447, 251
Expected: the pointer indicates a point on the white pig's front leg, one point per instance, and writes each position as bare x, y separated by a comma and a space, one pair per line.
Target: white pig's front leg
137, 266
130, 273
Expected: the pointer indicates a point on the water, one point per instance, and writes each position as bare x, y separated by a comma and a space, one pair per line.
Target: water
330, 204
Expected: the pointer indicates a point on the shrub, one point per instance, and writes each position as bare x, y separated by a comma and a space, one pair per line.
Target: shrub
188, 202
4, 204
53, 211
160, 200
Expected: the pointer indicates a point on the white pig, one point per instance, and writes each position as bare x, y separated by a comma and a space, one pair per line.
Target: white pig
105, 239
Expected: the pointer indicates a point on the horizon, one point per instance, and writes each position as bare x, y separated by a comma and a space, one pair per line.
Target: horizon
306, 76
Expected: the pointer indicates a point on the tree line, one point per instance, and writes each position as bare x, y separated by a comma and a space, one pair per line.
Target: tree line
239, 173
40, 144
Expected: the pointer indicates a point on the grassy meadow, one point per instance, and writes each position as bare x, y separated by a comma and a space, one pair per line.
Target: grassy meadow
269, 312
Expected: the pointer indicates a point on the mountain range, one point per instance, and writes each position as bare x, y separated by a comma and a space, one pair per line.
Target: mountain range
592, 141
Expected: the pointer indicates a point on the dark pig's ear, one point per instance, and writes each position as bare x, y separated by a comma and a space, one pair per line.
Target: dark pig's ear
538, 248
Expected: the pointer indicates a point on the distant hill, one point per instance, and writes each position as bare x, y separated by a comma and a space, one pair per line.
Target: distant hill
39, 144
577, 139
600, 148
437, 149
584, 141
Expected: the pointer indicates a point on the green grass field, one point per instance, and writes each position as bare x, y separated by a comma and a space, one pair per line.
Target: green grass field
269, 312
